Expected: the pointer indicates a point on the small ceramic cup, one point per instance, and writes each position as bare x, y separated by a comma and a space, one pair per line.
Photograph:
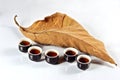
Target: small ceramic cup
24, 44
52, 56
35, 53
70, 54
83, 62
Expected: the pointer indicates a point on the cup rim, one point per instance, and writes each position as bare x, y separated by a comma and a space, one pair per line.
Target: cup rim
51, 50
72, 49
35, 47
25, 39
84, 56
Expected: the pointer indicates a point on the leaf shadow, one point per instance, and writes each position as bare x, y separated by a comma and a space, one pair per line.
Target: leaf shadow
16, 31
96, 61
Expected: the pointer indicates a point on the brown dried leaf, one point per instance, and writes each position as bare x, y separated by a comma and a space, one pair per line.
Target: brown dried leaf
61, 30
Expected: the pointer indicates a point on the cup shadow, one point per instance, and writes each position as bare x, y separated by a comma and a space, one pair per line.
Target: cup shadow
10, 52
61, 60
69, 68
13, 56
17, 58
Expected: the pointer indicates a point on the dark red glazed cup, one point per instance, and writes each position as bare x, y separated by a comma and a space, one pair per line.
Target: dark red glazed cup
70, 54
35, 53
83, 62
52, 56
24, 44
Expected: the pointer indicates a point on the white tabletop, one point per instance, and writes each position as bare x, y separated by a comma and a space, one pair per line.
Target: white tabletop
101, 18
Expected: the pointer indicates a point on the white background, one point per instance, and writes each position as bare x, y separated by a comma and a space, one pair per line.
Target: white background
101, 18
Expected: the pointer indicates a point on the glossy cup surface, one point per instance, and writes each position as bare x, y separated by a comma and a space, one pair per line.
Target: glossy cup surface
83, 61
24, 44
52, 56
35, 53
70, 54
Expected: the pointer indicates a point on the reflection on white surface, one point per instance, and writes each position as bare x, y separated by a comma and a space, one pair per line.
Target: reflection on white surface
101, 18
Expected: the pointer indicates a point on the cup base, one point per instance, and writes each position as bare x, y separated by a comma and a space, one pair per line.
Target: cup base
52, 63
35, 58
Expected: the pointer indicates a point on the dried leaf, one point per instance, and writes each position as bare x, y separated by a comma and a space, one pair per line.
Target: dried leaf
61, 30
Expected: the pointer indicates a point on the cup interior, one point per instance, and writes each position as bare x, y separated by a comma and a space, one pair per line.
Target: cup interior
84, 59
35, 50
25, 42
51, 53
70, 51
